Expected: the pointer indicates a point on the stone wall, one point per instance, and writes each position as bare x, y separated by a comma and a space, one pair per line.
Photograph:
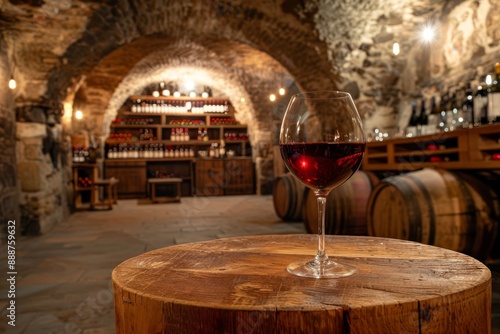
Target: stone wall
9, 208
384, 85
43, 199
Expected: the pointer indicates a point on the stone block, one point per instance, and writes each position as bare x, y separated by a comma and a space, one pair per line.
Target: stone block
9, 207
33, 152
7, 176
29, 176
30, 130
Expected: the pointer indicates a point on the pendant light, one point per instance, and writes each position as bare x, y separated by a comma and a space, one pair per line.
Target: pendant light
12, 83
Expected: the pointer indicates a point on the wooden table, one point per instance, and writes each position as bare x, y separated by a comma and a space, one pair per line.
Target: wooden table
110, 196
240, 285
152, 182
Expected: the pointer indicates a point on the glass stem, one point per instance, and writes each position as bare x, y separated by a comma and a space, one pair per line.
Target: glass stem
321, 256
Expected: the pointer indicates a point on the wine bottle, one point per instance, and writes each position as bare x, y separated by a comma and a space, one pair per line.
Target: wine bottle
423, 118
481, 105
414, 116
468, 109
494, 97
443, 104
452, 112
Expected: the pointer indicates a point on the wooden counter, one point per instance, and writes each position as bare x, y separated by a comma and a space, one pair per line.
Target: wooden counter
240, 285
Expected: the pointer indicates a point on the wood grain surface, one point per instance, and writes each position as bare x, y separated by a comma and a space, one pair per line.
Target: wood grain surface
240, 285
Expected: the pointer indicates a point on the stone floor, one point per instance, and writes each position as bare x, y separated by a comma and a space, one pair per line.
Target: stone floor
63, 277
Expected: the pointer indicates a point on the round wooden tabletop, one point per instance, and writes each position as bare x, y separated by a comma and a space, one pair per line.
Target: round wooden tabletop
240, 285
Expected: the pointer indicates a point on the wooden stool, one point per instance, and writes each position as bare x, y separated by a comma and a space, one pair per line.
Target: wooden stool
164, 180
240, 285
110, 188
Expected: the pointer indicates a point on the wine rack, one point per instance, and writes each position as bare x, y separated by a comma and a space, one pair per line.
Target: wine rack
477, 148
159, 130
173, 137
84, 174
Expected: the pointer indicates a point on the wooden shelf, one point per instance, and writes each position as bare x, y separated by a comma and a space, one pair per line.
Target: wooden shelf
135, 126
489, 147
165, 142
184, 168
144, 160
461, 149
161, 128
83, 195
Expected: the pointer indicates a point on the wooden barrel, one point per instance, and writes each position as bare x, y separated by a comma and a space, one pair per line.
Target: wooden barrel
240, 285
345, 206
436, 207
495, 249
492, 178
288, 196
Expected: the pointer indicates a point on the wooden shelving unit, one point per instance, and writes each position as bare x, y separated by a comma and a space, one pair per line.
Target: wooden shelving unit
161, 124
143, 130
82, 194
462, 149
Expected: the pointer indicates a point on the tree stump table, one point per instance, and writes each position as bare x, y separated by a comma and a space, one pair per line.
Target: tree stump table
240, 285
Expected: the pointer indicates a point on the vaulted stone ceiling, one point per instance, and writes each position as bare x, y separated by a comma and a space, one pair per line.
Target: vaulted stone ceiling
93, 54
110, 49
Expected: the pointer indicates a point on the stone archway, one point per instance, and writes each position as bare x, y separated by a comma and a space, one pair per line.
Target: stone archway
252, 48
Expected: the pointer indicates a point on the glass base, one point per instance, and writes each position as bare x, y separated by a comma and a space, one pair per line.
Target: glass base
317, 269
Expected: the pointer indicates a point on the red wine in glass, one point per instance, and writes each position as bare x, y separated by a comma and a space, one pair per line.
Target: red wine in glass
323, 165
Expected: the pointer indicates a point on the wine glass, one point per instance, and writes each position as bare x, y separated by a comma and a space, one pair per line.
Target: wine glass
322, 143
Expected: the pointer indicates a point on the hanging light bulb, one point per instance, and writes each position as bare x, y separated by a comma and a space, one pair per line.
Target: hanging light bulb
282, 91
156, 93
272, 97
12, 83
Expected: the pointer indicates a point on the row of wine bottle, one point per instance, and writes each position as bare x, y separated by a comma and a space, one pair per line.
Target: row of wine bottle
180, 106
149, 151
127, 151
464, 108
83, 154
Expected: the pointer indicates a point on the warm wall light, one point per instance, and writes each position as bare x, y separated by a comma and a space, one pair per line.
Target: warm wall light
156, 93
242, 100
428, 33
12, 83
78, 114
272, 97
165, 92
395, 49
282, 91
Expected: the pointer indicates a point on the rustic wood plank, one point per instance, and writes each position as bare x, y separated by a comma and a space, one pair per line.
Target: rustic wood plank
240, 285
